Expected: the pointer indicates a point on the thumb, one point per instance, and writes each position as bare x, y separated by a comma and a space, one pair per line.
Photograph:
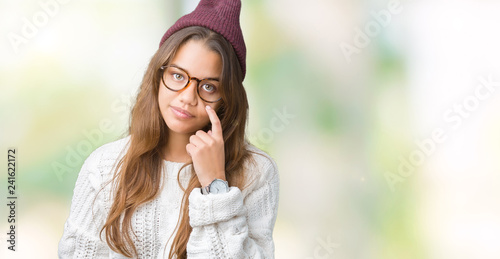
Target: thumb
209, 132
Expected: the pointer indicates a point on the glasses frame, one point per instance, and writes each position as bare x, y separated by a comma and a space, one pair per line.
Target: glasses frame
198, 81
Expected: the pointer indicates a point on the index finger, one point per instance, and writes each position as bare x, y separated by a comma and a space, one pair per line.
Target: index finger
214, 119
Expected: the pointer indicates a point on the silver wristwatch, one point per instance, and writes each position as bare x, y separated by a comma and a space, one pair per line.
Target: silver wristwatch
216, 186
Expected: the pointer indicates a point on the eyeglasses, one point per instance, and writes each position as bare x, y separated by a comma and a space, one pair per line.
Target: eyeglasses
176, 79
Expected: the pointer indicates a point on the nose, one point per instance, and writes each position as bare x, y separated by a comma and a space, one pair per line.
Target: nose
189, 94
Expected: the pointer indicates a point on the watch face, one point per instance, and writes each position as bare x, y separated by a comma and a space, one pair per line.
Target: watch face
218, 186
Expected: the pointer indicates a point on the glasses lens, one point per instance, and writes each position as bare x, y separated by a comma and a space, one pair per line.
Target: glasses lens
175, 78
209, 90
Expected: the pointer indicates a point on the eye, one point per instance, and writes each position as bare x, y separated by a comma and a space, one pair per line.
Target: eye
209, 88
178, 77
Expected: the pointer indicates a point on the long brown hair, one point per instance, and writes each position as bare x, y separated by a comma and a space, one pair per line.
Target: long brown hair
138, 174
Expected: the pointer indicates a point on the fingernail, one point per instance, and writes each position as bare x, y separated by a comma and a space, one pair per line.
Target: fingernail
208, 107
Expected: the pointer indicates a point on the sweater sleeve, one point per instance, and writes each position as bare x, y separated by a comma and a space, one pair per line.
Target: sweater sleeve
232, 225
81, 231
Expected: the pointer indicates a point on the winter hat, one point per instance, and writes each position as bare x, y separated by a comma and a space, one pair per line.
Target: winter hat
221, 16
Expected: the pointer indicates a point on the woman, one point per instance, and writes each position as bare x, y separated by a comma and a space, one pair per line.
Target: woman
185, 183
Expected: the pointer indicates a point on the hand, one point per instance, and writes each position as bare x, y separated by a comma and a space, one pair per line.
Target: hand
207, 151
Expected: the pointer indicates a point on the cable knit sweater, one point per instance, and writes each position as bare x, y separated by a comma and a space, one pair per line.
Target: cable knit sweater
237, 224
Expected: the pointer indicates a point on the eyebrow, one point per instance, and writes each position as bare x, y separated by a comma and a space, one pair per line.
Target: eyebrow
208, 78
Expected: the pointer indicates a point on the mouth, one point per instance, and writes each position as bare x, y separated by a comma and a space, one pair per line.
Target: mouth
181, 113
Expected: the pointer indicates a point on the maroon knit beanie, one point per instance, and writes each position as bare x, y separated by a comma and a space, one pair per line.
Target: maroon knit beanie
221, 16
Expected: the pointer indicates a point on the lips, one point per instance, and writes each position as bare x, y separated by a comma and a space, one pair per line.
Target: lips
181, 113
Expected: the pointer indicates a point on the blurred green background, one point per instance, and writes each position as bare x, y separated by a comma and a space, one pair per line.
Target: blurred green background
383, 116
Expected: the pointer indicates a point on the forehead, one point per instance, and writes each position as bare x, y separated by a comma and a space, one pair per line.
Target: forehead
198, 60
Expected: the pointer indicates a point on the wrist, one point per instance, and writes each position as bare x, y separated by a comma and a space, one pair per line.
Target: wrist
208, 180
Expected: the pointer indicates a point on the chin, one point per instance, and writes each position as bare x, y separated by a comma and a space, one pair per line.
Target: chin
180, 127
183, 127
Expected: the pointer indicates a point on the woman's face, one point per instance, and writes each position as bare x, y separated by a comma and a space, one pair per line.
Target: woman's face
184, 111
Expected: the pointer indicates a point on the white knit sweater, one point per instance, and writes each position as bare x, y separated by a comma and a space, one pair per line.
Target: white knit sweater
237, 224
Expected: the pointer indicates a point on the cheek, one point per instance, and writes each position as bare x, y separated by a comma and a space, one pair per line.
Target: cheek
204, 118
164, 97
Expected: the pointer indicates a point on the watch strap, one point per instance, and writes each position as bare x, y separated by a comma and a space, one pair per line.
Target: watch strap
205, 190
